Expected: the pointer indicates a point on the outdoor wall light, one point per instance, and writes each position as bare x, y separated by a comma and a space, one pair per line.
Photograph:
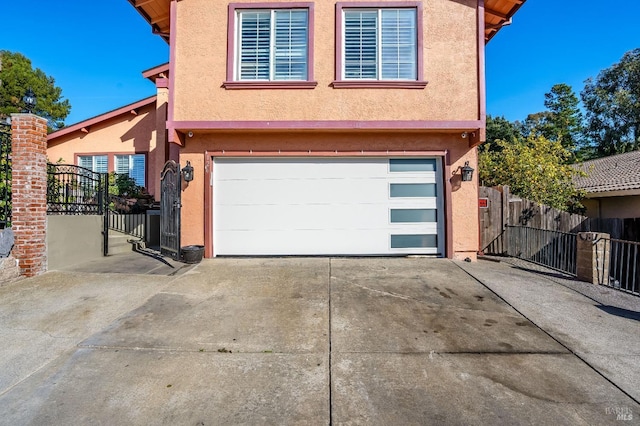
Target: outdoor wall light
29, 100
467, 172
187, 172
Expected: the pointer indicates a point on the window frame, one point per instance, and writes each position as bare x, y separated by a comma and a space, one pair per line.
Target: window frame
232, 43
111, 160
93, 161
131, 166
341, 83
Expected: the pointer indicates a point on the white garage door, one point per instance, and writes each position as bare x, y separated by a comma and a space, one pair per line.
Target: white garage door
320, 206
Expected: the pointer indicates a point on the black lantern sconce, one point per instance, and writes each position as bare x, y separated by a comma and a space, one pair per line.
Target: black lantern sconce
29, 100
187, 172
467, 172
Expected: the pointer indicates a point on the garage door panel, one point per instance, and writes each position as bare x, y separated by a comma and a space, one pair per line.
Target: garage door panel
277, 168
325, 242
298, 217
303, 191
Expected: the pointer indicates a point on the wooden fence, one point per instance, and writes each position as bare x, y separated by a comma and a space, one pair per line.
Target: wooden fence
505, 209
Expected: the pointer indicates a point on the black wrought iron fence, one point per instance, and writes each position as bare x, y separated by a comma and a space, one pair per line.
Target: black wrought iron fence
620, 265
553, 249
126, 217
5, 176
74, 190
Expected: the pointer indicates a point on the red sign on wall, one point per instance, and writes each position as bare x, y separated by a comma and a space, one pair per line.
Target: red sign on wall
483, 203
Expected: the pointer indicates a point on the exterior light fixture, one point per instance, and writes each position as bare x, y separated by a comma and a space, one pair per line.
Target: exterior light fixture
187, 172
467, 172
29, 100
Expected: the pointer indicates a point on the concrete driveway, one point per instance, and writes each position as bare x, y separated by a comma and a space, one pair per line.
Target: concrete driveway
297, 341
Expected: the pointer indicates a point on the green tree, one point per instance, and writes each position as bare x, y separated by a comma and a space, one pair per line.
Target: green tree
16, 76
539, 124
499, 128
612, 104
562, 121
565, 116
535, 168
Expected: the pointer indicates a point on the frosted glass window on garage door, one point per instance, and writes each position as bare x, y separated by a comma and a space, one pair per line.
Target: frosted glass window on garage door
412, 165
414, 241
413, 216
412, 190
133, 166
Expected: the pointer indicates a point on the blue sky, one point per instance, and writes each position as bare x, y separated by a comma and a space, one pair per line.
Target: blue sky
96, 50
556, 41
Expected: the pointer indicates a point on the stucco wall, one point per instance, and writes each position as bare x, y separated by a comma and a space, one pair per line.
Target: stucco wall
613, 207
450, 66
125, 134
464, 196
72, 240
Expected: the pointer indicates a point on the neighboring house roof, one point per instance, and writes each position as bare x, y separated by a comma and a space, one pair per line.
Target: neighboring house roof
497, 14
159, 71
615, 173
85, 126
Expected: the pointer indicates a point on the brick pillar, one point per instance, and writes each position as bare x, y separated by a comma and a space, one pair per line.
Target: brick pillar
592, 263
29, 192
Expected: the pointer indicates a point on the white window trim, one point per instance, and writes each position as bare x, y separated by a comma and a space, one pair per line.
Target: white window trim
231, 83
272, 30
130, 166
378, 11
340, 83
93, 161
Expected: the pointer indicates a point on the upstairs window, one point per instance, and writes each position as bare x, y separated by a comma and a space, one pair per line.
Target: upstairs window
271, 47
379, 45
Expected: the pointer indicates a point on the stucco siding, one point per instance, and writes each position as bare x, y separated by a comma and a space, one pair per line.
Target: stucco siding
464, 221
613, 207
124, 134
450, 53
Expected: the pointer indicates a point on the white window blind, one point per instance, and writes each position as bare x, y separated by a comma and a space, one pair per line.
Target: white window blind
380, 44
272, 45
133, 166
96, 163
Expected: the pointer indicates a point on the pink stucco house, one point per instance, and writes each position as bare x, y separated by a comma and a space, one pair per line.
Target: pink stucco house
318, 128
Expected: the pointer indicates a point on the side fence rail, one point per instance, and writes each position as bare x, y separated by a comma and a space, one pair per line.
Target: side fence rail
623, 259
5, 176
553, 249
122, 217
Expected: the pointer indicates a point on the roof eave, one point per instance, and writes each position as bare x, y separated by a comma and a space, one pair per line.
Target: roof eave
155, 28
615, 193
505, 18
86, 124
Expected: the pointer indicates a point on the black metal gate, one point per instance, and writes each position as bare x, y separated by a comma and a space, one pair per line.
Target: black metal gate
170, 189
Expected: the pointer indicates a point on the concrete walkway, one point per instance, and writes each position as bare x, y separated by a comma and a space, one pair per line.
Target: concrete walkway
597, 323
310, 341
